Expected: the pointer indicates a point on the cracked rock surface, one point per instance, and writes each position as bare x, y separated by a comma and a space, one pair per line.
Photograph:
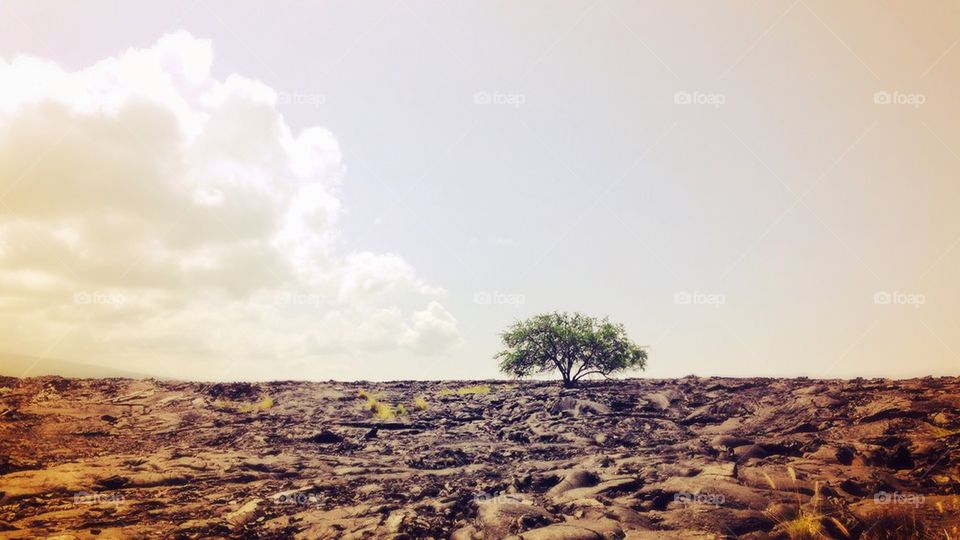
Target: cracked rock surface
639, 458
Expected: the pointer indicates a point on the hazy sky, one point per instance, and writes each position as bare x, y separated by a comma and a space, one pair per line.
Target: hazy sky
284, 190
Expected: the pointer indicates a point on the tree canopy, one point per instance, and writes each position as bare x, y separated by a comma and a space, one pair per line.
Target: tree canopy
574, 344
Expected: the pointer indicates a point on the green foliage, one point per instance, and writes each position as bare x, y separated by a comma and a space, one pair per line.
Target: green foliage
573, 344
402, 410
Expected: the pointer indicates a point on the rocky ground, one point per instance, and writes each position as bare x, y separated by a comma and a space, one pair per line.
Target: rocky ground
685, 458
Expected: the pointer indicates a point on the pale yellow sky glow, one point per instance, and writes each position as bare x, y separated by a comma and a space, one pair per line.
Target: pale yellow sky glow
375, 190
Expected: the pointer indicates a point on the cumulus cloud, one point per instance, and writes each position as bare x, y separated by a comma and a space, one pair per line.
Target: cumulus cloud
150, 212
432, 329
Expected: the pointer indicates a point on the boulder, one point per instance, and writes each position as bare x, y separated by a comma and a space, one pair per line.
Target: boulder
245, 514
658, 401
578, 407
577, 529
325, 437
574, 479
607, 487
499, 519
845, 455
730, 441
753, 451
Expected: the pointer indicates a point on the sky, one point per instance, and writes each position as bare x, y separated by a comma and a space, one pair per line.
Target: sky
374, 190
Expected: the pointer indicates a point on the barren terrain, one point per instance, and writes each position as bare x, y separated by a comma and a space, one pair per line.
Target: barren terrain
685, 458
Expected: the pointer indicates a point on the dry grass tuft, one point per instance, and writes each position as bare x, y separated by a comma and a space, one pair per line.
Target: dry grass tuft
803, 527
264, 404
383, 411
466, 390
809, 523
420, 403
380, 410
773, 485
900, 522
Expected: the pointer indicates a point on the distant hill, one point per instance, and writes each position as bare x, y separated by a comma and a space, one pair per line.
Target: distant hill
13, 365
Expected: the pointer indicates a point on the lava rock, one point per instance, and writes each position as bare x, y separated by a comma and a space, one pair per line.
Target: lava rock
845, 455
325, 437
900, 459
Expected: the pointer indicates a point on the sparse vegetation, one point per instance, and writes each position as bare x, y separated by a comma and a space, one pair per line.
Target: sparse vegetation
893, 522
420, 403
466, 390
573, 344
384, 446
810, 523
381, 410
803, 527
264, 404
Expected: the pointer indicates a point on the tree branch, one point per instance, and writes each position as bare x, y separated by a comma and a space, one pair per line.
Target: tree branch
579, 376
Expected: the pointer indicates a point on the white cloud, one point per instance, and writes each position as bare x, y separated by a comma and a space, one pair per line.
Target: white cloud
432, 329
190, 197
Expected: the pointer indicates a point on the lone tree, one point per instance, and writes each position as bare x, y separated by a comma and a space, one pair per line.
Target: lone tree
574, 344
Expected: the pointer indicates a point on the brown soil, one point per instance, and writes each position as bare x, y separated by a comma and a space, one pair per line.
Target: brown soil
684, 458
